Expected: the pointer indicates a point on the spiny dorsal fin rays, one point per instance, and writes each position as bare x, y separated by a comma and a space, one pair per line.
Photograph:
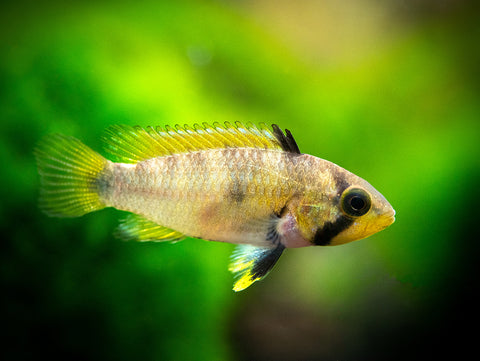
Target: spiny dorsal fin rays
286, 140
133, 144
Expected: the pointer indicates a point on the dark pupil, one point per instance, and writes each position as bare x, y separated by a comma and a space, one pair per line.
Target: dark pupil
357, 203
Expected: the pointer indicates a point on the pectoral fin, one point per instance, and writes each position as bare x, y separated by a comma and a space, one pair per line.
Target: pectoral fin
250, 264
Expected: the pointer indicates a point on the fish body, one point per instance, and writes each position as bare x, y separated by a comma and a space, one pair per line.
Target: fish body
240, 184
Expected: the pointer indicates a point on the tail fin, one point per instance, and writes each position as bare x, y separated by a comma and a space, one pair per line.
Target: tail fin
69, 176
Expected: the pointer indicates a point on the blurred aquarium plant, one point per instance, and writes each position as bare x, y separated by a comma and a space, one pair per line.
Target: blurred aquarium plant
404, 114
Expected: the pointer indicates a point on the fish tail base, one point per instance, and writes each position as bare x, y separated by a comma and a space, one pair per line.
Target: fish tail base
70, 174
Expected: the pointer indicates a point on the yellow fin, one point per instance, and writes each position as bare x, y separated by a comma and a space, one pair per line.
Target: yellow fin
137, 228
69, 176
133, 144
250, 264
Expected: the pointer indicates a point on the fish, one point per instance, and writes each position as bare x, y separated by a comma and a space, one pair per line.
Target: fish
238, 183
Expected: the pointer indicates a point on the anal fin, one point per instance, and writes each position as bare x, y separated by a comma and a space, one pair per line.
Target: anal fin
135, 227
250, 263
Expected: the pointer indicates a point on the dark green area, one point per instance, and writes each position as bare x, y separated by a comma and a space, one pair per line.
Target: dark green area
407, 119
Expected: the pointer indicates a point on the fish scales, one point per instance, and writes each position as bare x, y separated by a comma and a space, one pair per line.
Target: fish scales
210, 193
243, 184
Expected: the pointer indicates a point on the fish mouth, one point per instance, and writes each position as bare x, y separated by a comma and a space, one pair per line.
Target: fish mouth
389, 217
385, 219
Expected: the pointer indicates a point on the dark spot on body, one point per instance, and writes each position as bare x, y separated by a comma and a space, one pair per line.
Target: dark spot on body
236, 193
103, 184
324, 235
237, 196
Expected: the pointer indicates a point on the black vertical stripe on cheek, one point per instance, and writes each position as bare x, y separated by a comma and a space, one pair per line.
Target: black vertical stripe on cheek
324, 235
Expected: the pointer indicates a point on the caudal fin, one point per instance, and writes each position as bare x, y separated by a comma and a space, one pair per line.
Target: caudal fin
69, 176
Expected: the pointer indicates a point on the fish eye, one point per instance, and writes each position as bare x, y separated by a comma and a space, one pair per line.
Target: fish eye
355, 202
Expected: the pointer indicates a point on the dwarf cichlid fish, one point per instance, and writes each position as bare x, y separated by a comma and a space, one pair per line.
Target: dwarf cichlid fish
242, 184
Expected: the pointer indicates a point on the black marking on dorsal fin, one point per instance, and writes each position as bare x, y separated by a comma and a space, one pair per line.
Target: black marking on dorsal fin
286, 140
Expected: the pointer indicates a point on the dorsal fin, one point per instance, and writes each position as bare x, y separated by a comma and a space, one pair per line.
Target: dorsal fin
286, 140
133, 144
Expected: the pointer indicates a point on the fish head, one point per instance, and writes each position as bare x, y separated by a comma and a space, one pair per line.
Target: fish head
340, 208
362, 210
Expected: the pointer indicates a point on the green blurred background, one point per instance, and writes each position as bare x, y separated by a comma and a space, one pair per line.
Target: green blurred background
387, 89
